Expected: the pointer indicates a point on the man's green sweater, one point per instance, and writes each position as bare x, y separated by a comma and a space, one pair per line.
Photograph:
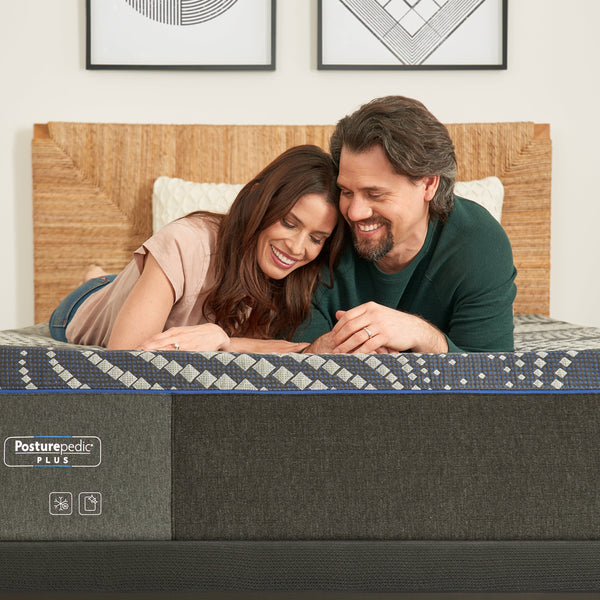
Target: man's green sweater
461, 281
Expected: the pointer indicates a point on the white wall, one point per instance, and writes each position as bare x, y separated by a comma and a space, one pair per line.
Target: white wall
554, 61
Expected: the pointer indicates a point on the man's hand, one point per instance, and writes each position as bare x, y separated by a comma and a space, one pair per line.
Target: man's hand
372, 328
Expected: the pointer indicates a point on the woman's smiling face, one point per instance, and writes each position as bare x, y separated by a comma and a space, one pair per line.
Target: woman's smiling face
298, 238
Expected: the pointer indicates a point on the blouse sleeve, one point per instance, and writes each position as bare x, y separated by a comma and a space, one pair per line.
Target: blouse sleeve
182, 249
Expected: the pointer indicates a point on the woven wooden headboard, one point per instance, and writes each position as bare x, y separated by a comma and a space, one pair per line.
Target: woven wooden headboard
92, 189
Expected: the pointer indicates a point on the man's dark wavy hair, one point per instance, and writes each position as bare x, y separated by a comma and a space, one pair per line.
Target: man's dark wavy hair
414, 141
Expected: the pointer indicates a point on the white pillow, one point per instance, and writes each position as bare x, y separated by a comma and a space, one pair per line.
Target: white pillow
488, 192
173, 198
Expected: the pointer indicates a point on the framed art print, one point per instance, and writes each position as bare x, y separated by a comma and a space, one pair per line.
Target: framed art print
180, 34
412, 34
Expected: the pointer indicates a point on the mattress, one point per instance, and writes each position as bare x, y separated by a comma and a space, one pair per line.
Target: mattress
549, 354
312, 455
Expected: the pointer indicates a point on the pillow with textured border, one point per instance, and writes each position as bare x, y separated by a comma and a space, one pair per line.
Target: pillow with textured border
173, 197
489, 192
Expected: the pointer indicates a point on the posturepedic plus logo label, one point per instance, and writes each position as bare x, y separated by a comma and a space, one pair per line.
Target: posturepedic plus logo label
52, 451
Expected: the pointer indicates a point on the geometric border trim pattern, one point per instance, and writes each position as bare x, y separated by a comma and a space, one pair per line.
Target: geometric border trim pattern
36, 368
569, 361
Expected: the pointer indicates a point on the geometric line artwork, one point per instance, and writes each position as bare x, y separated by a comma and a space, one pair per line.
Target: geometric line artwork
181, 12
412, 29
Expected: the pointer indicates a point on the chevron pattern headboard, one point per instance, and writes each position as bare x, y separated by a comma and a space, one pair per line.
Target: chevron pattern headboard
92, 189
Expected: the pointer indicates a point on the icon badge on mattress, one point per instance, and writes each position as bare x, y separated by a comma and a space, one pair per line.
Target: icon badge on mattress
90, 504
61, 503
52, 451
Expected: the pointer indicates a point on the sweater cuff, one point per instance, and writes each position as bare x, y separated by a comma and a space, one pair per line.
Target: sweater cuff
452, 347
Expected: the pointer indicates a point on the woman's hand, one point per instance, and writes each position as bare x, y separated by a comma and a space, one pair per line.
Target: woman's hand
192, 338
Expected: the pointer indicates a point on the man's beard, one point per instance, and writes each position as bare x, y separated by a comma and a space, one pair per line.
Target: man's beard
374, 250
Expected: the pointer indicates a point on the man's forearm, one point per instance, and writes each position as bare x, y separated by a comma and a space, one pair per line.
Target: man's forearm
429, 338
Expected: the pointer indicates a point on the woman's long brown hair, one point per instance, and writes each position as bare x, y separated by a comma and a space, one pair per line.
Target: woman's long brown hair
244, 301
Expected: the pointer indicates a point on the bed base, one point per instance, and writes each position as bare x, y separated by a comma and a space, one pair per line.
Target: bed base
351, 568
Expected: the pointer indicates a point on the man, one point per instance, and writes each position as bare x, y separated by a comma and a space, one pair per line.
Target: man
428, 271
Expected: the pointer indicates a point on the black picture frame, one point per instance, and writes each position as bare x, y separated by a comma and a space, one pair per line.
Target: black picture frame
161, 35
447, 34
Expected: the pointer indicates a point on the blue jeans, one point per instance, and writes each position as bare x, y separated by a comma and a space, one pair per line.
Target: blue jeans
63, 314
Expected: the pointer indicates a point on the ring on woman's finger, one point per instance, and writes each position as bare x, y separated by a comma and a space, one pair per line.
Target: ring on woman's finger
369, 332
176, 346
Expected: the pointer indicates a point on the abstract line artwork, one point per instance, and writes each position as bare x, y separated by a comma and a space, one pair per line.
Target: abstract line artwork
181, 12
411, 31
180, 34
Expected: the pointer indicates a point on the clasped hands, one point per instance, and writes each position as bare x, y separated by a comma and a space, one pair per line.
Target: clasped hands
368, 328
371, 328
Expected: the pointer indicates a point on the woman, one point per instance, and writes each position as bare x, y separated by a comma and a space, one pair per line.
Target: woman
221, 282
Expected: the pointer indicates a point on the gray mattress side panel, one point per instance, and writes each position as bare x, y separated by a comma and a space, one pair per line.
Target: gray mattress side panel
351, 568
386, 466
85, 466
